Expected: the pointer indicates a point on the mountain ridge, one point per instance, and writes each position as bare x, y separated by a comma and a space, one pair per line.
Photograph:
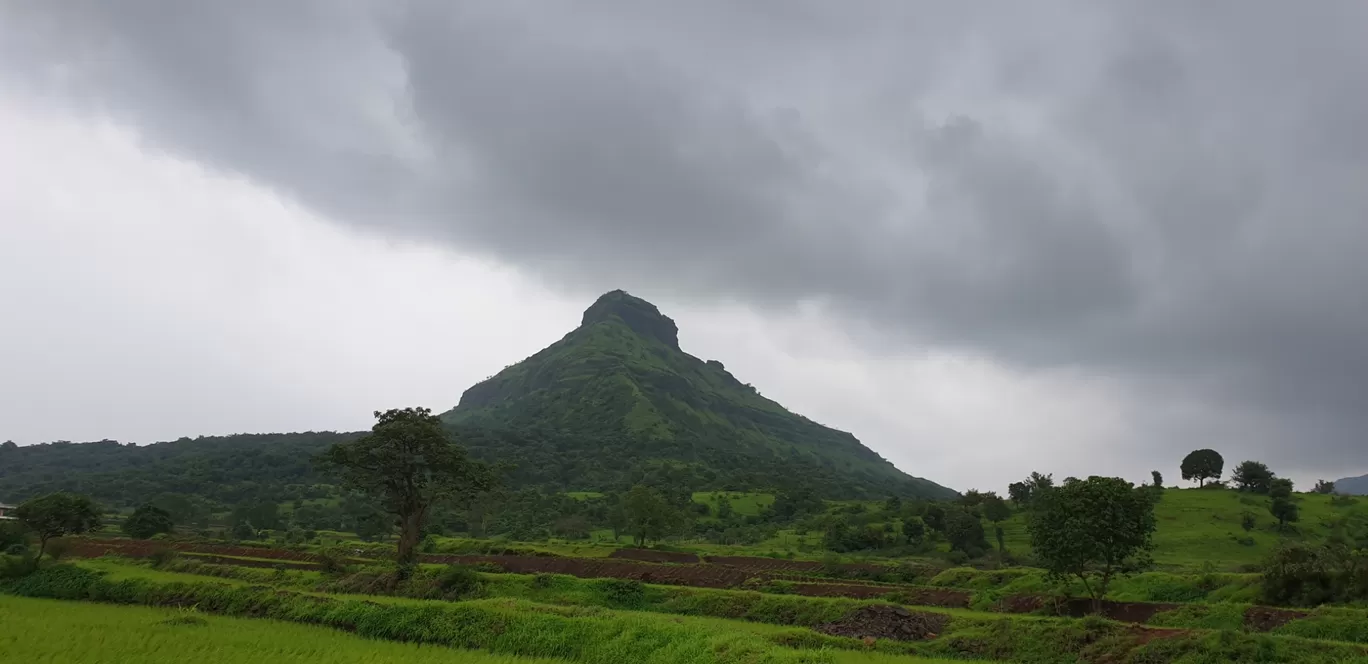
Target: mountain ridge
621, 374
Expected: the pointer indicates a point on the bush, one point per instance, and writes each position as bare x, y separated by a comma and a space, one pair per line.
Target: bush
333, 561
1304, 575
459, 582
13, 567
625, 593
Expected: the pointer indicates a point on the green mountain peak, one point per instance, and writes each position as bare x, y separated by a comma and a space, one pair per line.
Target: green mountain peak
619, 398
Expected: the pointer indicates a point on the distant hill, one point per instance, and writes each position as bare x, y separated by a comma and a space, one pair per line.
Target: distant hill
619, 394
612, 403
1353, 486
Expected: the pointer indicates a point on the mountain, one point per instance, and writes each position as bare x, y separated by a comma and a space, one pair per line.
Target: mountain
613, 403
1353, 486
618, 395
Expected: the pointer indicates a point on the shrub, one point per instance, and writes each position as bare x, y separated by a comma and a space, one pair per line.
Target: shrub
13, 567
626, 593
332, 561
459, 581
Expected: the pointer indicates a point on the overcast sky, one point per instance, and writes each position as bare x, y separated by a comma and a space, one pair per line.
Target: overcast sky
1080, 237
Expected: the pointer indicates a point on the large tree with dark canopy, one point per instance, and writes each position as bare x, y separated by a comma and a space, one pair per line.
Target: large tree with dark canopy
408, 463
58, 514
1202, 465
147, 521
1253, 476
1093, 530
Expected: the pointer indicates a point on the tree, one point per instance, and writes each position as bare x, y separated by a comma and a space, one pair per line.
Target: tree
1285, 511
1280, 487
724, 508
935, 518
913, 530
147, 521
408, 463
648, 515
1157, 479
1094, 530
1022, 492
1252, 476
1202, 465
243, 531
996, 510
964, 531
893, 504
8, 446
1324, 487
57, 515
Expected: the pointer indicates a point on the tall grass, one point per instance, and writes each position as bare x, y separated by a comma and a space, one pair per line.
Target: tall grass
36, 631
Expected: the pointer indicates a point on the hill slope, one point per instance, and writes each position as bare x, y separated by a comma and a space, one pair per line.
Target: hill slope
618, 393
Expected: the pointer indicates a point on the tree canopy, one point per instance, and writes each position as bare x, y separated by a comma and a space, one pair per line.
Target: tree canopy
58, 515
1094, 530
1252, 476
147, 521
408, 464
1202, 465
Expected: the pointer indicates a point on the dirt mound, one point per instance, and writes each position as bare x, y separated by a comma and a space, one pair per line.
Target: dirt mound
1267, 618
653, 556
885, 621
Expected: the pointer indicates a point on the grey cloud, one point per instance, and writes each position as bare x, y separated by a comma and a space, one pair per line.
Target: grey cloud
1166, 192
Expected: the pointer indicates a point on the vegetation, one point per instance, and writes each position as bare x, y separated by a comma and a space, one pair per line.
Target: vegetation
38, 630
57, 514
409, 464
622, 385
1094, 530
147, 521
1202, 465
1252, 476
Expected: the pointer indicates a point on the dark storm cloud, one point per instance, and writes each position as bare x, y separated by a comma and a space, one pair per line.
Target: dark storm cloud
1169, 192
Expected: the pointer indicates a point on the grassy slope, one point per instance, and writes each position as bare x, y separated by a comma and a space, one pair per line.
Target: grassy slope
41, 630
1198, 528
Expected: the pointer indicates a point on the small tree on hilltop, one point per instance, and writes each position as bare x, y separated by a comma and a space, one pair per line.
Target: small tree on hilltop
1324, 487
1202, 465
1157, 479
58, 515
1093, 530
1252, 476
147, 521
409, 463
1280, 487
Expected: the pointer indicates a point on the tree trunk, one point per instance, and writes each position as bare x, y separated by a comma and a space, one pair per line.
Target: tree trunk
410, 530
42, 547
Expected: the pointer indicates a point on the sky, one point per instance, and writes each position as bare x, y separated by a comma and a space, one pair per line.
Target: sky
1069, 236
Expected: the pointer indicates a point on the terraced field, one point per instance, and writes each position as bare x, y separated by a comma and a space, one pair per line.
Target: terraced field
778, 610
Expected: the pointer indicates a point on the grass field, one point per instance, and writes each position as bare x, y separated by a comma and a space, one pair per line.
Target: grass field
40, 631
742, 502
1201, 529
510, 627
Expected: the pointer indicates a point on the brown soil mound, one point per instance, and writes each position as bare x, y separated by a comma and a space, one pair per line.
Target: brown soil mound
1267, 618
887, 622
